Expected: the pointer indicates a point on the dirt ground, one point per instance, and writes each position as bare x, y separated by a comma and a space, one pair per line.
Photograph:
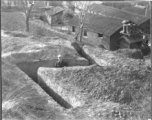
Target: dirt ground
23, 99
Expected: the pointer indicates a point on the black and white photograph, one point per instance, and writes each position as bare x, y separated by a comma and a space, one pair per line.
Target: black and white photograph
76, 60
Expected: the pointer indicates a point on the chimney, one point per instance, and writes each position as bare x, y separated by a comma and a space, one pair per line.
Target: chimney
128, 28
125, 26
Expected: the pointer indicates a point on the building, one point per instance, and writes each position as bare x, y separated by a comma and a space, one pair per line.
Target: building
117, 4
103, 24
138, 10
129, 42
140, 20
39, 4
56, 3
55, 13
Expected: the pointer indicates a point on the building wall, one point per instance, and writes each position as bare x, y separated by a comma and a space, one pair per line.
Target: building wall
124, 44
135, 45
70, 29
114, 40
93, 39
56, 18
146, 26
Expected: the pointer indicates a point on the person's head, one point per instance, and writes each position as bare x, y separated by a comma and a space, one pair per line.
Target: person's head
60, 57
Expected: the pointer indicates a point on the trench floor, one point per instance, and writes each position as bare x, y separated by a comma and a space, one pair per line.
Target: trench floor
31, 71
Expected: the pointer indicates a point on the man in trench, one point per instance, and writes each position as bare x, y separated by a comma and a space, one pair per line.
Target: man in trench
60, 62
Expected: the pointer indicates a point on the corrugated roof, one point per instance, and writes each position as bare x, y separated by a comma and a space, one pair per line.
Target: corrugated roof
120, 14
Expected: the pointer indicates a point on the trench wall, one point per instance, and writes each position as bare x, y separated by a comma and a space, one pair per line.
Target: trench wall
31, 67
63, 83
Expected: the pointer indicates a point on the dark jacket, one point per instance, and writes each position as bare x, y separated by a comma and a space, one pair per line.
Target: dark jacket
61, 64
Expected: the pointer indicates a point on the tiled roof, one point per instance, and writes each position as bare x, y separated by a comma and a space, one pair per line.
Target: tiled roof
120, 14
55, 10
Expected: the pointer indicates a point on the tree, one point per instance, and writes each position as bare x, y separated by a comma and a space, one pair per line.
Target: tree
67, 15
147, 8
82, 6
69, 5
27, 5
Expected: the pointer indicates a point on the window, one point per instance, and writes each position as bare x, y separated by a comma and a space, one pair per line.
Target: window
85, 33
73, 29
100, 35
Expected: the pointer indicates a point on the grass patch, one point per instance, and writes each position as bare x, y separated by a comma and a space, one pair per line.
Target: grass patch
17, 33
19, 96
12, 21
127, 80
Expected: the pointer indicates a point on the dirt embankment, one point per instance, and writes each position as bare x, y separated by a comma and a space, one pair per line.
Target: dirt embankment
78, 85
118, 78
22, 97
82, 87
36, 49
